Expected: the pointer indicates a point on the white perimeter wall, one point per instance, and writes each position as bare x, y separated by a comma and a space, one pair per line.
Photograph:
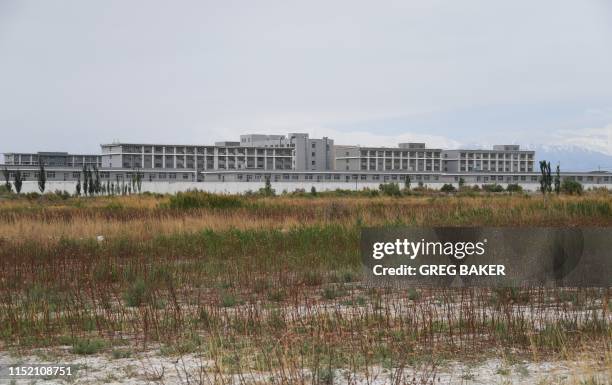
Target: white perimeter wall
241, 187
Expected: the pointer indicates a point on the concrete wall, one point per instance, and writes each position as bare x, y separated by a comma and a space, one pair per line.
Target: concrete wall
242, 187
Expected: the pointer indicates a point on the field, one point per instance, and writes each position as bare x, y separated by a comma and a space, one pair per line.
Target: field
204, 289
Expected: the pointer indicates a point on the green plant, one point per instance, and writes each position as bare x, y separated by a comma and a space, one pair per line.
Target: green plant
390, 189
558, 180
407, 183
571, 187
545, 178
492, 188
229, 300
7, 181
42, 177
267, 190
136, 293
448, 188
88, 346
18, 181
197, 199
514, 188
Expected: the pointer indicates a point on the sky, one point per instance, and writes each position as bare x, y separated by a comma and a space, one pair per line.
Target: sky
74, 74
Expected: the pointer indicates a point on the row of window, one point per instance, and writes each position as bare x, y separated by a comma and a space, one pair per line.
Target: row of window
192, 150
398, 154
494, 155
319, 177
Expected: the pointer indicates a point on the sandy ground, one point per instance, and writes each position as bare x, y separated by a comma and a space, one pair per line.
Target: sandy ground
152, 368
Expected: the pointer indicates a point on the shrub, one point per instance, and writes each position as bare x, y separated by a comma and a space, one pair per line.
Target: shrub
448, 188
88, 346
390, 189
229, 300
135, 295
571, 187
32, 195
199, 199
494, 188
514, 187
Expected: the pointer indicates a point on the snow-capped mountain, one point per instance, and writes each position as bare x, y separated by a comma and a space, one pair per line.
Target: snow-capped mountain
572, 157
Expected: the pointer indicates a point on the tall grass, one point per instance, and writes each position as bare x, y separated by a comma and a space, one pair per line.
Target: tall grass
274, 284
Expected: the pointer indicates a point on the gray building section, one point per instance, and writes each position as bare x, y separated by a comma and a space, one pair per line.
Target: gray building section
62, 159
308, 154
408, 157
502, 158
294, 157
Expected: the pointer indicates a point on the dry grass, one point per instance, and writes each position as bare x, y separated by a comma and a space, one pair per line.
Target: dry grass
142, 217
274, 285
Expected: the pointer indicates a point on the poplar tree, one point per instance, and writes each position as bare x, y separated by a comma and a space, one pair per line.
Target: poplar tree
18, 181
558, 180
42, 177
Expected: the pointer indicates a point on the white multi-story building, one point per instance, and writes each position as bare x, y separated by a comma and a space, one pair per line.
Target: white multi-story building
502, 158
407, 157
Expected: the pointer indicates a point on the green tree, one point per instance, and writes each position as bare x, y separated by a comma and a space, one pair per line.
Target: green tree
78, 185
91, 186
85, 181
7, 179
571, 187
313, 191
558, 180
545, 178
97, 185
267, 190
390, 189
42, 177
461, 183
18, 181
514, 187
139, 181
448, 188
407, 182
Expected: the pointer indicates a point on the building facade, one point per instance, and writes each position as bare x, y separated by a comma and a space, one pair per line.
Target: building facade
60, 159
407, 157
292, 158
502, 158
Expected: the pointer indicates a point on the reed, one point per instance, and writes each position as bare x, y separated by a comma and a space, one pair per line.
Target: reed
273, 285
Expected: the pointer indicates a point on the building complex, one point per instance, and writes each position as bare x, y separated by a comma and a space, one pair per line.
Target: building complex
292, 158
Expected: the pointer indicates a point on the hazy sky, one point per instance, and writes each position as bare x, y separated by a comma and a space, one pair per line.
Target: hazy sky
77, 73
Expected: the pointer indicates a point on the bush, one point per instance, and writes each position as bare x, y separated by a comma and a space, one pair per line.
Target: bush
494, 188
135, 295
88, 346
199, 199
571, 187
390, 189
448, 188
514, 187
32, 195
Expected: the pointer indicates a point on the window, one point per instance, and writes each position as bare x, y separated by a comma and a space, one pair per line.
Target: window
171, 176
